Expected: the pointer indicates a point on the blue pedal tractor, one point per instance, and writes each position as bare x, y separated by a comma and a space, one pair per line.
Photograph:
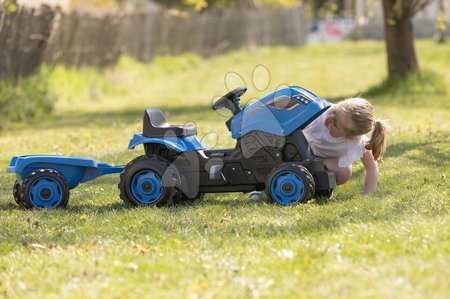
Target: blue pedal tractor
271, 154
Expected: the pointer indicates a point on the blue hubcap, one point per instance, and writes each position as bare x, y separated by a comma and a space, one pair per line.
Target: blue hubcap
147, 187
45, 192
287, 187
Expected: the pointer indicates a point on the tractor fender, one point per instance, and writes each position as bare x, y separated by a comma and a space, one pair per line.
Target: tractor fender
178, 144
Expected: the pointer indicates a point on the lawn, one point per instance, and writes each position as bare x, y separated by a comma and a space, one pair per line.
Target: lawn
395, 243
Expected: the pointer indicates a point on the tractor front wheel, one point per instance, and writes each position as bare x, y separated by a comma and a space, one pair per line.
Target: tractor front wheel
289, 184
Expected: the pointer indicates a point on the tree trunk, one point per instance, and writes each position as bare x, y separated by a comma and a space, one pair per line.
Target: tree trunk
247, 3
442, 23
399, 37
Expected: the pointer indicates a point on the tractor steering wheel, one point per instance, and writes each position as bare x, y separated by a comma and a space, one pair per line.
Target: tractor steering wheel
231, 100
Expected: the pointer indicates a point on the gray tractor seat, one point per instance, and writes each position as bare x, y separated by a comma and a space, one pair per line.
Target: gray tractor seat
155, 125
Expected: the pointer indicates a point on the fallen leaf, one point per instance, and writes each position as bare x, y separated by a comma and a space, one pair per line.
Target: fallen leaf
141, 249
35, 245
197, 286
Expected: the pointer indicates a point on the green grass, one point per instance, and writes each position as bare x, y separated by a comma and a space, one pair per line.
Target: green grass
394, 243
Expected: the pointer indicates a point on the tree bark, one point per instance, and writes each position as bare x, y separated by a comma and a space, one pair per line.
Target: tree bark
399, 37
247, 3
442, 23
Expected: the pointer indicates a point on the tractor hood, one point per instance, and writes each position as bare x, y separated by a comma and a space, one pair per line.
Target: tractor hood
279, 113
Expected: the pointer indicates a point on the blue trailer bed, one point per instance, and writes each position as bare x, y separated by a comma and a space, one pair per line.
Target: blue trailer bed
42, 180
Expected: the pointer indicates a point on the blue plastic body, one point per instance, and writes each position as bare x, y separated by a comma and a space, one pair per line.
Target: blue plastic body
287, 188
178, 144
46, 192
75, 170
147, 187
262, 116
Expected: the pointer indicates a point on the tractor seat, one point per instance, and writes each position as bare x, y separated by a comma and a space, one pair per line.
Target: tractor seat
155, 125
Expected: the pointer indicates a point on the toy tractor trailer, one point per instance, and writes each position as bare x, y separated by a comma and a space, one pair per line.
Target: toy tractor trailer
44, 181
271, 153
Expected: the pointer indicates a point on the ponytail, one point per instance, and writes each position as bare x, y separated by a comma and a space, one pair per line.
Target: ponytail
377, 142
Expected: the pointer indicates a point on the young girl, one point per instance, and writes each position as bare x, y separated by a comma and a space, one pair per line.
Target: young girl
338, 135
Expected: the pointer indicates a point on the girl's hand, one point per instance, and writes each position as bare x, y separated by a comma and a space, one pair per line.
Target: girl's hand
371, 167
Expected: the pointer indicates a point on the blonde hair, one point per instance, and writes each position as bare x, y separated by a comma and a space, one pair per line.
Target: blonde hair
361, 114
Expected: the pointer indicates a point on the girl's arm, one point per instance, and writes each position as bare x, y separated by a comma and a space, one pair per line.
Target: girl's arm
371, 172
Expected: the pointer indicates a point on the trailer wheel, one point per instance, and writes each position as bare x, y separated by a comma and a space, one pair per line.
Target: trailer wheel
17, 193
44, 189
289, 184
147, 181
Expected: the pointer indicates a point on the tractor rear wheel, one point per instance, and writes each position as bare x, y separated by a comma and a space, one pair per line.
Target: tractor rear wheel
148, 181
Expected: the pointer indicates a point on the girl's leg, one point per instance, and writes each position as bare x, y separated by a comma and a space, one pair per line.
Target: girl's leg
343, 174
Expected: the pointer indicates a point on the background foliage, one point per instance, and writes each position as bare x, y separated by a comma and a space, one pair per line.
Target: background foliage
27, 98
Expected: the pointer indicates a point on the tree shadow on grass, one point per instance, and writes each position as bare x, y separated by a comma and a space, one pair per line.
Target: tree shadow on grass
180, 206
430, 155
87, 205
112, 118
423, 89
304, 226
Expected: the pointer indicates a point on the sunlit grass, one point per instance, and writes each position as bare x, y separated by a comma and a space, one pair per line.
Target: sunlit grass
394, 243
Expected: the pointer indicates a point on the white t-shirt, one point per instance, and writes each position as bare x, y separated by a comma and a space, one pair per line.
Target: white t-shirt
324, 145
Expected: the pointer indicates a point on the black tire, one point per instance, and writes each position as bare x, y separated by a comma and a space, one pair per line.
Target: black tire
54, 192
17, 193
289, 184
325, 194
146, 181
